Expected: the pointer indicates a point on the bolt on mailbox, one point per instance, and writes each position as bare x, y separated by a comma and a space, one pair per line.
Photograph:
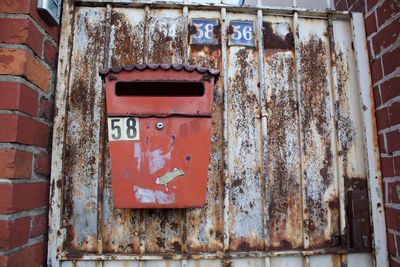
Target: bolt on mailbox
159, 129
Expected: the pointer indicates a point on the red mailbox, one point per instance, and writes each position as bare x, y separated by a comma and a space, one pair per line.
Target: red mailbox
159, 127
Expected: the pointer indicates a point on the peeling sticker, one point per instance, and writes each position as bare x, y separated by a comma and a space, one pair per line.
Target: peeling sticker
144, 195
169, 176
137, 154
157, 160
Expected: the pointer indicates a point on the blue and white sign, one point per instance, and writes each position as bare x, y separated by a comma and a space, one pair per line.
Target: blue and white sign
241, 33
204, 34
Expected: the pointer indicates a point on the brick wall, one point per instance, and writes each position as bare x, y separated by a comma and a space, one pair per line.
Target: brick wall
382, 22
28, 54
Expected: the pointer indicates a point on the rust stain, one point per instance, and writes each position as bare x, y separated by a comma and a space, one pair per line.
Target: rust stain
245, 208
283, 184
205, 226
322, 223
274, 40
79, 157
163, 231
128, 40
165, 46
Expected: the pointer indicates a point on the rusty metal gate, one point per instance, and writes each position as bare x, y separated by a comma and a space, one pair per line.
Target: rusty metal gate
293, 149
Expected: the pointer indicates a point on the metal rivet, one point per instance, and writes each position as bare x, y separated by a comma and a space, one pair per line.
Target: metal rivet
159, 125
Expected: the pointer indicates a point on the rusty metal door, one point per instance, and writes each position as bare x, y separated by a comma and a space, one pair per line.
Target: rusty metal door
292, 146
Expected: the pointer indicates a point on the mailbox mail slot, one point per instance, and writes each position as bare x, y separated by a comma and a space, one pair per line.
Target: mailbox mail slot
159, 127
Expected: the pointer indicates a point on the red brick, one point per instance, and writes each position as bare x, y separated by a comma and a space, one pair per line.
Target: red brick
358, 6
18, 96
371, 4
14, 233
39, 225
29, 7
23, 196
393, 141
376, 70
15, 6
32, 256
391, 60
394, 263
394, 113
21, 62
382, 118
50, 54
391, 244
390, 89
386, 36
381, 143
393, 192
46, 108
21, 31
388, 9
398, 244
23, 130
377, 97
387, 167
397, 165
342, 5
392, 218
370, 24
42, 164
15, 164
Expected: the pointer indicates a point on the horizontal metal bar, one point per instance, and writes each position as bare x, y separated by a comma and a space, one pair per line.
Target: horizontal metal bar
267, 10
218, 255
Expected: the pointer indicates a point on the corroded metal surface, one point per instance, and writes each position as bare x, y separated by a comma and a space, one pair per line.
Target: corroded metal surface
165, 34
245, 210
282, 190
321, 209
82, 142
283, 186
205, 226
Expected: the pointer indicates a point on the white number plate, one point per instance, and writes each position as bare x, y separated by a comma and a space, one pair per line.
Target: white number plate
204, 32
123, 128
242, 33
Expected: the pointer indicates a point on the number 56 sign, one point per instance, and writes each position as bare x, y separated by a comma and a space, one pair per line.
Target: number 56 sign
241, 33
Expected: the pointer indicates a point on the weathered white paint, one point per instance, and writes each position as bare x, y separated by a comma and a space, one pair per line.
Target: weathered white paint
144, 195
371, 140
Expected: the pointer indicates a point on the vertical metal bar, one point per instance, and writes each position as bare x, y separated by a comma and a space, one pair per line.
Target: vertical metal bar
102, 138
186, 51
142, 232
227, 163
56, 233
371, 141
338, 157
343, 260
306, 261
146, 33
296, 54
267, 262
263, 101
146, 54
183, 212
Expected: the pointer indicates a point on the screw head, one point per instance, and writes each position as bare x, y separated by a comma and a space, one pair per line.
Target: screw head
159, 125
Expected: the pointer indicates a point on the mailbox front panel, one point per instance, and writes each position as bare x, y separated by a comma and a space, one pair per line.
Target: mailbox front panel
166, 167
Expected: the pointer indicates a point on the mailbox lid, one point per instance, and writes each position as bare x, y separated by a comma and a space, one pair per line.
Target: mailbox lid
169, 90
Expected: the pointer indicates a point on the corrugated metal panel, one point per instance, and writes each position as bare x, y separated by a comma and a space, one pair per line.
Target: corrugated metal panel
287, 142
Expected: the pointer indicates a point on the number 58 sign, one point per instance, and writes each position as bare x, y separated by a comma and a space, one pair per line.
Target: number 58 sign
123, 128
